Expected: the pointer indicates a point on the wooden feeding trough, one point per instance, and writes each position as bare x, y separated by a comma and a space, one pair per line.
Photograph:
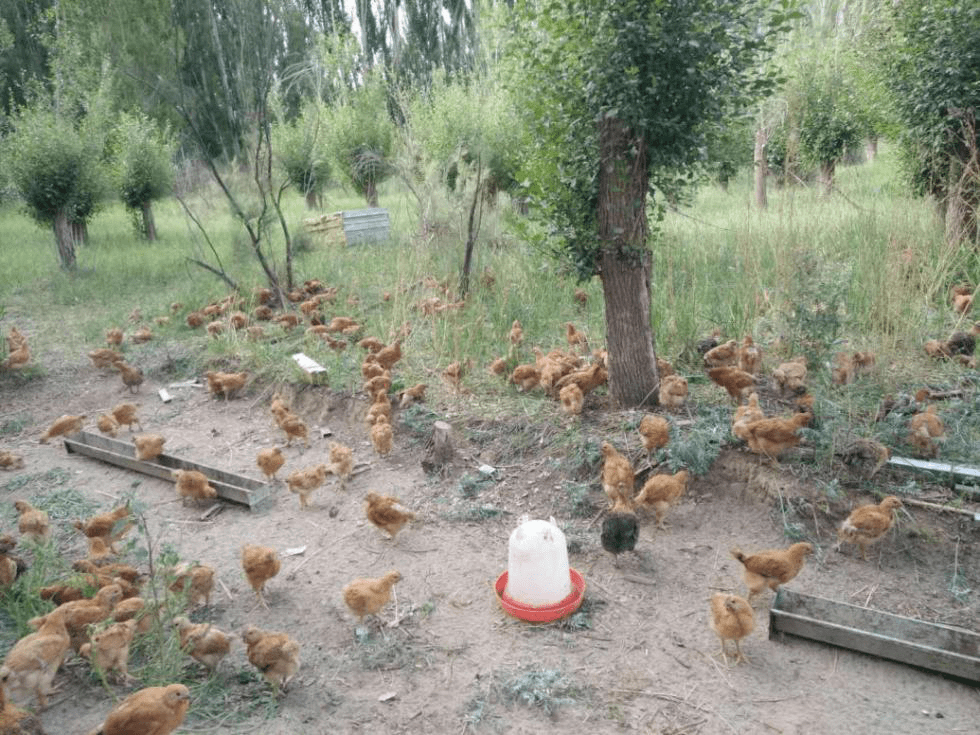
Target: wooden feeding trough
236, 488
942, 648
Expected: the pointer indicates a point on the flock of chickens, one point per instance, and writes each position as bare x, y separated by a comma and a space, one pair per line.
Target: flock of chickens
102, 627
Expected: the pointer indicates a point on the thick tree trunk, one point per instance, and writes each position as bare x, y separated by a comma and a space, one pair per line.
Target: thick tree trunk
625, 263
871, 148
149, 225
65, 240
312, 200
826, 177
761, 168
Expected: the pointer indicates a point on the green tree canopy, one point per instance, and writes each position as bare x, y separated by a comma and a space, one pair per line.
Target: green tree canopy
144, 167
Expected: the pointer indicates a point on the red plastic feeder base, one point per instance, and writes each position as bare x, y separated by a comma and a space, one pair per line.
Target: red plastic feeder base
542, 613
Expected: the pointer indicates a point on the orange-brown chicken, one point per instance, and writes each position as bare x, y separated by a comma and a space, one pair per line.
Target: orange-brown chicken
132, 376
791, 375
673, 391
587, 379
111, 526
32, 523
868, 524
772, 437
148, 446
17, 358
453, 375
382, 436
366, 596
617, 475
135, 609
749, 358
381, 406
105, 357
67, 424
377, 384
304, 482
273, 653
225, 384
125, 415
498, 367
745, 415
31, 665
109, 648
411, 395
772, 567
141, 335
572, 399
107, 425
842, 370
926, 431
15, 721
387, 512
575, 338
270, 461
371, 344
724, 355
962, 298
260, 564
659, 492
386, 357
655, 431
525, 377
737, 383
80, 614
203, 642
732, 618
295, 428
11, 565
341, 462
196, 581
10, 460
150, 711
193, 485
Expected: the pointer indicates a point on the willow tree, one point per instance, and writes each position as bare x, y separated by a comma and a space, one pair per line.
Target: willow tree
622, 99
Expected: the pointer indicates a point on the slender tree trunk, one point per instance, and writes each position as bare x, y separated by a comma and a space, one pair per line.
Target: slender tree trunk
625, 264
826, 176
371, 193
871, 148
761, 168
312, 200
149, 225
65, 240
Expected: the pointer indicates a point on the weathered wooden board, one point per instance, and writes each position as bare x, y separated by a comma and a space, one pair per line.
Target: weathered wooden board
942, 648
963, 473
237, 488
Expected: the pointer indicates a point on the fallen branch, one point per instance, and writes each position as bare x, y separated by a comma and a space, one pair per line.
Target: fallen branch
937, 506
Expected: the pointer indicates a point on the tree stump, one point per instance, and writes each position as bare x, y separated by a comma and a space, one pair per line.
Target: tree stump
439, 450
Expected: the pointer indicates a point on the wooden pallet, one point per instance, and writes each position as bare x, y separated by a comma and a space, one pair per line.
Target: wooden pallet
236, 488
943, 648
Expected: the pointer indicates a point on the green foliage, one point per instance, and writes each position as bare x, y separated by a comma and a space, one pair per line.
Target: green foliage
668, 75
545, 689
301, 148
826, 117
817, 298
55, 170
361, 137
144, 168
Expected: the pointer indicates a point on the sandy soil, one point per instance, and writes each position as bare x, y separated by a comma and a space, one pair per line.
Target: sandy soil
639, 656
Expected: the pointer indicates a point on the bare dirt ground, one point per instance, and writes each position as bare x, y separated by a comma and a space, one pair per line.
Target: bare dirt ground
639, 655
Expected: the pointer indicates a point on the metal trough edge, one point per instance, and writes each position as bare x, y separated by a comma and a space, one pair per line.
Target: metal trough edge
236, 488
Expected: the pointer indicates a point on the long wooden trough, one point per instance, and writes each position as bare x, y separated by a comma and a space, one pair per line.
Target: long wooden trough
943, 648
236, 488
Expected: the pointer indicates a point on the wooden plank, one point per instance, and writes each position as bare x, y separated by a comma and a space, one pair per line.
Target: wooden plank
236, 488
942, 648
964, 472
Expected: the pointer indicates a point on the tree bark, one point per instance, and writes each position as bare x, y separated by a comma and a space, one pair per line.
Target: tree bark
65, 240
312, 200
761, 168
371, 193
625, 264
826, 176
149, 225
871, 148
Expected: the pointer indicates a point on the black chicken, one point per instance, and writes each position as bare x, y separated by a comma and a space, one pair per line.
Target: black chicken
619, 533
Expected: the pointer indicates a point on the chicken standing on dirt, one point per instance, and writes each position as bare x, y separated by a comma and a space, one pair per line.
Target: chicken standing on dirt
15, 721
30, 666
304, 482
193, 485
620, 530
194, 580
62, 426
80, 614
294, 428
341, 462
655, 431
11, 566
732, 618
273, 653
774, 436
111, 526
772, 567
10, 460
366, 596
125, 415
109, 648
203, 642
868, 524
107, 425
745, 415
673, 391
225, 384
150, 711
617, 476
387, 513
32, 523
382, 436
260, 563
723, 355
270, 461
736, 382
659, 492
926, 430
572, 399
132, 376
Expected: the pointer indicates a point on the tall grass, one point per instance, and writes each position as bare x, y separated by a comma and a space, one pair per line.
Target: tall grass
866, 267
